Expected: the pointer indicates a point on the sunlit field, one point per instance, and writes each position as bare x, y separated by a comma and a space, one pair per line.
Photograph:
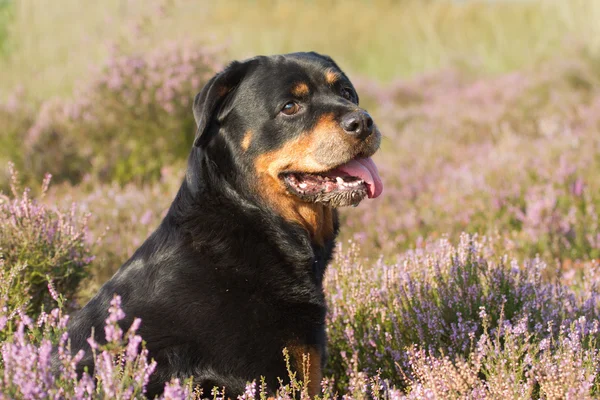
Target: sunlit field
474, 276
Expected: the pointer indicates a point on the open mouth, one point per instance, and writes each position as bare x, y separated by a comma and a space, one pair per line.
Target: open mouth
345, 185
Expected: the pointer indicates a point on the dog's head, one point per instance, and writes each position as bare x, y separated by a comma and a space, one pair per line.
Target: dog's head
290, 129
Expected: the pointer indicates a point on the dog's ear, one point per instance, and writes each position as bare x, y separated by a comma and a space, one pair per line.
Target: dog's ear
208, 102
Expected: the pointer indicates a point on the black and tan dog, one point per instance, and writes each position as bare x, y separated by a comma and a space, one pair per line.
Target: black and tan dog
234, 272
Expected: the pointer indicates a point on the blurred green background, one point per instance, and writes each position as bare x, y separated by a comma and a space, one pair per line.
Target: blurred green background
47, 46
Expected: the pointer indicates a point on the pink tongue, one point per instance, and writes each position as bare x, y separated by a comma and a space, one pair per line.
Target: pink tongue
365, 169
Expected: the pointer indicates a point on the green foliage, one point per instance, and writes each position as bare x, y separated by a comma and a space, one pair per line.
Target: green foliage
40, 247
5, 19
132, 118
390, 39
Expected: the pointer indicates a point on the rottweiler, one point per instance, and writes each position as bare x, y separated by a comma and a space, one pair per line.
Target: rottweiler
234, 273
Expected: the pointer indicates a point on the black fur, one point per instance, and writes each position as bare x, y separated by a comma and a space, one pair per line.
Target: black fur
226, 282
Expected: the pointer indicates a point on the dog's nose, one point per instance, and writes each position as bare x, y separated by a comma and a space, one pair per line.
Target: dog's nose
358, 124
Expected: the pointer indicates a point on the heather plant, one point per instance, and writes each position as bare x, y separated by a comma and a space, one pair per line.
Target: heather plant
11, 304
513, 364
571, 370
515, 154
546, 346
40, 246
434, 297
122, 368
130, 119
123, 374
120, 217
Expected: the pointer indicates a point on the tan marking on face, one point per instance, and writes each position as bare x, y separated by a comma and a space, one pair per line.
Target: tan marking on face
300, 90
246, 140
299, 155
306, 361
332, 76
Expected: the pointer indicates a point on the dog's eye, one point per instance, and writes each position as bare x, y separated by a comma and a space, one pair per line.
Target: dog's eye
290, 108
348, 94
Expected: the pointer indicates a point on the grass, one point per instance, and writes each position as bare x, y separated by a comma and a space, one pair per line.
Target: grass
54, 47
5, 18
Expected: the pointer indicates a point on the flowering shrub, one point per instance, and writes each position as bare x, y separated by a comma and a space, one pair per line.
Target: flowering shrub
133, 117
434, 297
120, 217
11, 303
447, 322
515, 154
122, 368
514, 365
40, 246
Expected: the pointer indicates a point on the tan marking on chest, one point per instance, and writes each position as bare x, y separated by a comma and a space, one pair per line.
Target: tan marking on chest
306, 361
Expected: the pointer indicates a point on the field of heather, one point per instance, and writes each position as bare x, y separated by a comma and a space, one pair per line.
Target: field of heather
474, 276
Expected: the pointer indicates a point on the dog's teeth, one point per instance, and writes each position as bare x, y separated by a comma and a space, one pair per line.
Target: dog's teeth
339, 180
303, 185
